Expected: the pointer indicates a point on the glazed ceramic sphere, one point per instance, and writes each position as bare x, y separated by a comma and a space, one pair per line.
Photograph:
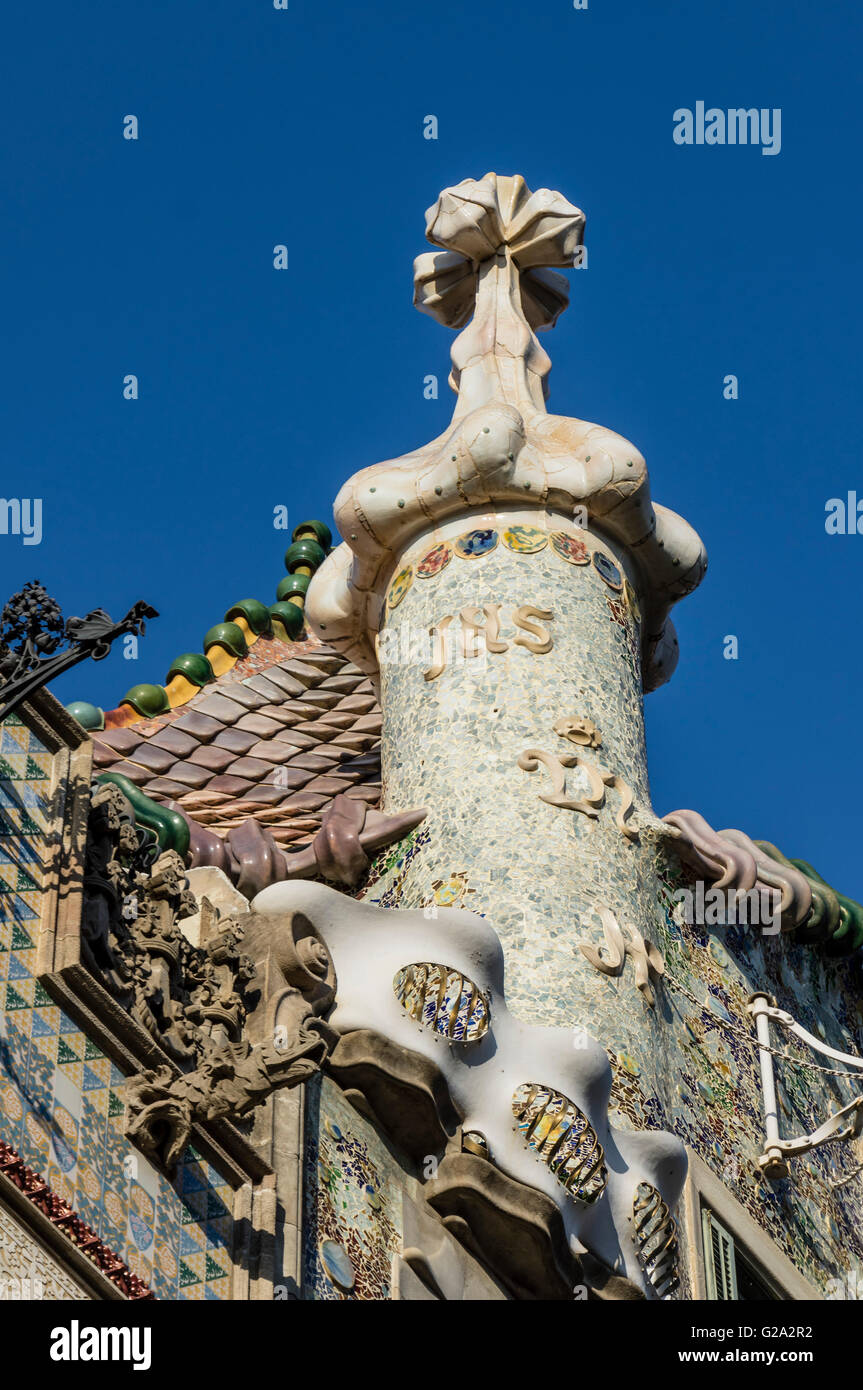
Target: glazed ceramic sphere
306, 552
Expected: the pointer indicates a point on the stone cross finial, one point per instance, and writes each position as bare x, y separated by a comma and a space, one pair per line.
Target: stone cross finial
499, 243
495, 278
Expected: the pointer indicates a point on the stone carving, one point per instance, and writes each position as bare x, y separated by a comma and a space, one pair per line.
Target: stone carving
489, 630
555, 765
432, 1263
598, 778
516, 1231
369, 946
580, 731
401, 1090
438, 635
646, 958
539, 642
474, 221
27, 1271
37, 643
195, 1000
162, 1107
498, 249
190, 999
474, 635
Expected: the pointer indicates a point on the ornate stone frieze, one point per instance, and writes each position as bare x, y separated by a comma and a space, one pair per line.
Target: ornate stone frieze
194, 1001
191, 1000
29, 1272
162, 1107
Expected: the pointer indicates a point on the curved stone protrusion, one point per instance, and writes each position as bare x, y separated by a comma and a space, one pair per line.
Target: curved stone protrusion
730, 860
699, 845
790, 889
515, 1230
350, 832
369, 945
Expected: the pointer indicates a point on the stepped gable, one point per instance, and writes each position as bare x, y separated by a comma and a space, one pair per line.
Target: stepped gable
298, 707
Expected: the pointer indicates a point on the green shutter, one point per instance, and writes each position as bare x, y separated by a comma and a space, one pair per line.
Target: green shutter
719, 1261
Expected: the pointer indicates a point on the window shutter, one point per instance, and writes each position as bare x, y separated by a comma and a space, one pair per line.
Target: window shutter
719, 1263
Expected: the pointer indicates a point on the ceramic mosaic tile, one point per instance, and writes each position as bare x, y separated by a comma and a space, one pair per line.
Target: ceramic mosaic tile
703, 1082
352, 1202
453, 743
61, 1099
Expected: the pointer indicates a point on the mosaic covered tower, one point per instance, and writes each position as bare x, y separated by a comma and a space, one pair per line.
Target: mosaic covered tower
353, 962
511, 581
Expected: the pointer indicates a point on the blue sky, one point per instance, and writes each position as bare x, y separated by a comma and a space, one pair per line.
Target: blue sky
260, 387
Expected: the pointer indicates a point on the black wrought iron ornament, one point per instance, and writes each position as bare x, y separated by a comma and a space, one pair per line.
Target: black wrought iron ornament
37, 644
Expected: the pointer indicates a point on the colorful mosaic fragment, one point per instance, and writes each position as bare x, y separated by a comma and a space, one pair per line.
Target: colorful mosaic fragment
352, 1202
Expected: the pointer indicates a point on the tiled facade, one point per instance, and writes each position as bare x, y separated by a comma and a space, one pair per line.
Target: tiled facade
714, 1098
537, 872
61, 1099
352, 1189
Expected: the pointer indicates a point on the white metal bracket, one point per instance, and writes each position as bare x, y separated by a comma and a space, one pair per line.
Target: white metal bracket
846, 1123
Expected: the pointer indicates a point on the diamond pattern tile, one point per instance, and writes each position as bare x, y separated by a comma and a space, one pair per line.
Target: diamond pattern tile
61, 1098
298, 709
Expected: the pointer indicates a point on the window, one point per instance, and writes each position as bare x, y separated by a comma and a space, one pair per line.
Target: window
732, 1274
